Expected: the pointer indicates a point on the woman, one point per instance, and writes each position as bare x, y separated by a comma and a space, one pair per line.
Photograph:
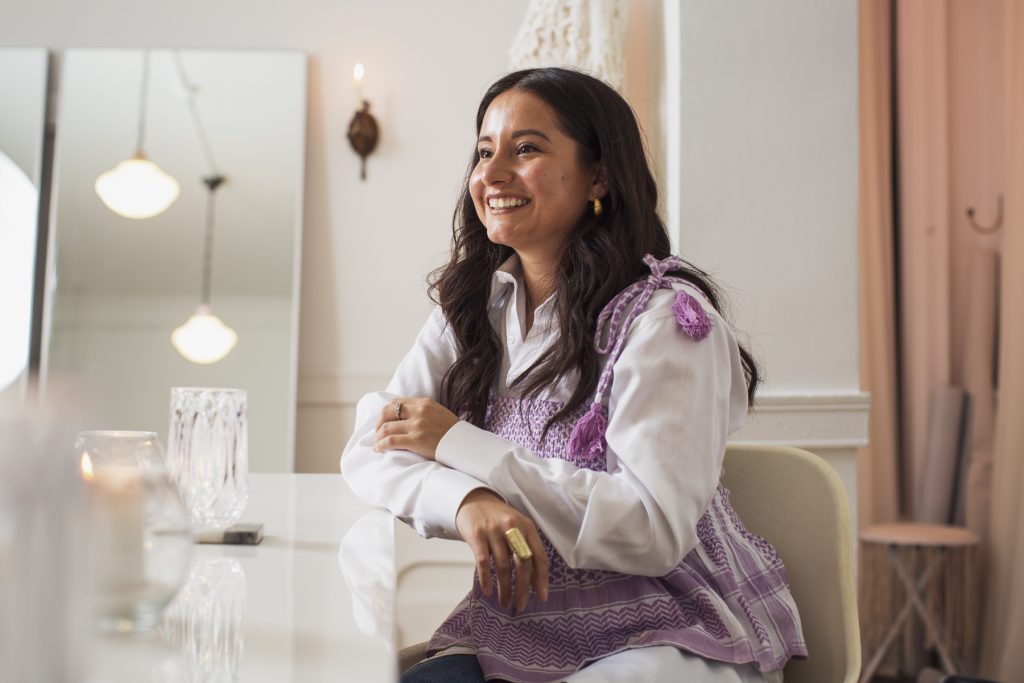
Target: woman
605, 549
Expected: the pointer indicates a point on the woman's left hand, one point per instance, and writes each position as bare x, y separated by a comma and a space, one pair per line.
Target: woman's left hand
413, 424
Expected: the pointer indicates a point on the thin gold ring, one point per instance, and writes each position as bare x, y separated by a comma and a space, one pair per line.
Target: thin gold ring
518, 544
398, 411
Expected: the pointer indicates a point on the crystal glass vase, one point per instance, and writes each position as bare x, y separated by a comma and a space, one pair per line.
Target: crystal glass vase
208, 454
141, 542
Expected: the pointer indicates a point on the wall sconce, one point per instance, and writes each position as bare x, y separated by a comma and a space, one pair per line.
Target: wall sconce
362, 129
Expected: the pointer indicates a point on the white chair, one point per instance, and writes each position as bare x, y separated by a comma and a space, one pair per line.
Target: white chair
796, 500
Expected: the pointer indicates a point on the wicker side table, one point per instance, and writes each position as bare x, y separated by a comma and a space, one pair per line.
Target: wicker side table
934, 565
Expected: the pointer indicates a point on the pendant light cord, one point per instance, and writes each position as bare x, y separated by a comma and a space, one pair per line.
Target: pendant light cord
212, 183
191, 89
143, 92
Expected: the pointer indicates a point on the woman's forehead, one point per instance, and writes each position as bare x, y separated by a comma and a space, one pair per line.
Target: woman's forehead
518, 111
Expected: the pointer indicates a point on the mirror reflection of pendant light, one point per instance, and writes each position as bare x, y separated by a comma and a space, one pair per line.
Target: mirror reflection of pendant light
138, 188
204, 338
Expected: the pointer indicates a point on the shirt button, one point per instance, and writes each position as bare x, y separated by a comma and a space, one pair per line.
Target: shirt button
511, 341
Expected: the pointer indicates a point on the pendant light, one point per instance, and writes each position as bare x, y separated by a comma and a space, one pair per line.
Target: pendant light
204, 338
138, 188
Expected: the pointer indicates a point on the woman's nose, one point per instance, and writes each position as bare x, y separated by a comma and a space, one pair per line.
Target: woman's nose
497, 170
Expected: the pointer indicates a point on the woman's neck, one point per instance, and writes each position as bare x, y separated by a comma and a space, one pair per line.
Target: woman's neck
539, 282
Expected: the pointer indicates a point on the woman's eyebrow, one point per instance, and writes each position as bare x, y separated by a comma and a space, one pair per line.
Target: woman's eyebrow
529, 131
518, 134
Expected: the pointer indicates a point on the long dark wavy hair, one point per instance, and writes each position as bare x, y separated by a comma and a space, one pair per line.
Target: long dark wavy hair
604, 254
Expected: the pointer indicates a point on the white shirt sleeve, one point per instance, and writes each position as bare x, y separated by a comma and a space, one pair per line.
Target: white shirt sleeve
673, 403
424, 494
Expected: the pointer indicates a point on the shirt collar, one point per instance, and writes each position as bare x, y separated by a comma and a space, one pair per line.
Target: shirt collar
507, 281
509, 274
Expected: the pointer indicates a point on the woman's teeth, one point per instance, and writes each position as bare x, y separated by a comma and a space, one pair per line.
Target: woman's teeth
506, 202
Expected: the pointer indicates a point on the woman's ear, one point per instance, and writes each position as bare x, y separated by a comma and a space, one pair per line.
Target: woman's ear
599, 188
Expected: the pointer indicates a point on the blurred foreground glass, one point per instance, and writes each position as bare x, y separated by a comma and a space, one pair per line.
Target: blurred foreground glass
141, 542
44, 584
208, 454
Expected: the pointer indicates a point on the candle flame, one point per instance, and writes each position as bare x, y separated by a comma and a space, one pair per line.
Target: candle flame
87, 472
358, 72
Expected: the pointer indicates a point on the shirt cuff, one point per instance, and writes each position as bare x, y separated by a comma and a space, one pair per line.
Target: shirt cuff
448, 488
471, 450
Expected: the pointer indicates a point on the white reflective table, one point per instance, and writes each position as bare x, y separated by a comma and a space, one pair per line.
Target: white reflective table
315, 601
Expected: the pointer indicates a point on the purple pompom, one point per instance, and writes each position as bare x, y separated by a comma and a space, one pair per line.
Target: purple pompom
691, 316
587, 439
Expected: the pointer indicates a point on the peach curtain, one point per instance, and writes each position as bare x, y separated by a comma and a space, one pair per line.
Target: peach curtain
1003, 633
960, 88
878, 495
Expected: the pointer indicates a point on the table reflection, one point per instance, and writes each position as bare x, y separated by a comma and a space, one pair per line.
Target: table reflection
367, 560
207, 620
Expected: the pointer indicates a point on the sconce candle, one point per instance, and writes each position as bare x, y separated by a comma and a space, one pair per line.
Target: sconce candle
363, 131
358, 72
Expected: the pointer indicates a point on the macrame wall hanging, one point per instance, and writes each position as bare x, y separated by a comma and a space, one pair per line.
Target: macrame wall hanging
588, 35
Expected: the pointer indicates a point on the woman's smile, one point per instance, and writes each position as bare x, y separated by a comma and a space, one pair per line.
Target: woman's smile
505, 203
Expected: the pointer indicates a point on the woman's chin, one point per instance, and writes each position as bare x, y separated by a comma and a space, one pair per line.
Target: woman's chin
502, 236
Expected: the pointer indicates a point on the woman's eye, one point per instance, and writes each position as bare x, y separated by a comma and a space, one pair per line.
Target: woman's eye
526, 149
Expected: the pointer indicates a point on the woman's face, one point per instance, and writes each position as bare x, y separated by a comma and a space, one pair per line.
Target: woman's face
529, 187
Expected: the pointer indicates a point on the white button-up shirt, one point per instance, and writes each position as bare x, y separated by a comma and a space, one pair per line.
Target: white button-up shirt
672, 404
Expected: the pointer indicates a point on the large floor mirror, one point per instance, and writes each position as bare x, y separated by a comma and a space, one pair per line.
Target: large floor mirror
177, 210
23, 86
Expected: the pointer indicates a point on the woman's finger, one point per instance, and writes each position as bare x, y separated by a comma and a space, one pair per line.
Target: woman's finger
540, 563
524, 572
481, 548
502, 568
389, 413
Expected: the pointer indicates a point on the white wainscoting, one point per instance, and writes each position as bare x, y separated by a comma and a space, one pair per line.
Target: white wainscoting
832, 425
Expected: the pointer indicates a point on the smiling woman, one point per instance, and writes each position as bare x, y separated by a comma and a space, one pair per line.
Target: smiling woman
605, 547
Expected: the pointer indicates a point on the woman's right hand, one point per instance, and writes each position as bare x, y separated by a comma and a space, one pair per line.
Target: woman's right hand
482, 520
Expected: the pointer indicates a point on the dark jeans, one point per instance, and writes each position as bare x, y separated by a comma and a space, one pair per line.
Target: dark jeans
447, 669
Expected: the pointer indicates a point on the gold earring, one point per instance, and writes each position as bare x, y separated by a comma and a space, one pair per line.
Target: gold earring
598, 209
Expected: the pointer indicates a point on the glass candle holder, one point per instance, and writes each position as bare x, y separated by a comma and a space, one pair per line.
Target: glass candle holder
141, 541
208, 454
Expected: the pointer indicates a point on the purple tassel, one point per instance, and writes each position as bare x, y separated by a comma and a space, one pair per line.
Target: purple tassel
691, 316
587, 437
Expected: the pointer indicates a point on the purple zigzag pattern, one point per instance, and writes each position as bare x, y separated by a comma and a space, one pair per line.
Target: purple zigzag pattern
709, 539
581, 635
455, 630
755, 623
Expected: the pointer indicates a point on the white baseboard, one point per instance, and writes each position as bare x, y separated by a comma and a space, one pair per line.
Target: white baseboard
815, 421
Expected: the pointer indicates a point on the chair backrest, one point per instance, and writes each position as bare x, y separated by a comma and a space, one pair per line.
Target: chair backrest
796, 500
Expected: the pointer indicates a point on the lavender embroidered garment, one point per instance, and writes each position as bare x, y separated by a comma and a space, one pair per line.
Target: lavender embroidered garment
727, 600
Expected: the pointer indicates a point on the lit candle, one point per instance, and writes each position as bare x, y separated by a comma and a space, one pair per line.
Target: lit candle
357, 75
117, 516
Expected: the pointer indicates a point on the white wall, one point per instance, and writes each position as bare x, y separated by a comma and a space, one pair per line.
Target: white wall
766, 130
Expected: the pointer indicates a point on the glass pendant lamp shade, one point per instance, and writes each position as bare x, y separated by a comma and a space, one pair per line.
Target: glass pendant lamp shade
137, 188
204, 338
